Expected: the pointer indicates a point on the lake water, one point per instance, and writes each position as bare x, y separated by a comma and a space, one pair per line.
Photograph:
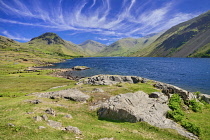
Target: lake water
192, 74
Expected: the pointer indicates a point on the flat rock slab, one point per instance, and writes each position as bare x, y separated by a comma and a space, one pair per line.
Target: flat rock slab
72, 94
134, 107
54, 124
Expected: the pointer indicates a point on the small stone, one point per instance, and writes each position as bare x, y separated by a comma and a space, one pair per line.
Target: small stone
38, 118
50, 111
45, 117
154, 95
68, 116
73, 129
35, 101
10, 124
41, 127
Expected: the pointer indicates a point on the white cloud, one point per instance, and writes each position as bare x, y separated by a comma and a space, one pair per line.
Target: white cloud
17, 37
130, 19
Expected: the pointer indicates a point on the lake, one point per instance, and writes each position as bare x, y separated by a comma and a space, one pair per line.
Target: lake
192, 74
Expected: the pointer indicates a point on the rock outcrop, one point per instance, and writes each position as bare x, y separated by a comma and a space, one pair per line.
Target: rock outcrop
115, 79
171, 89
72, 94
134, 107
112, 79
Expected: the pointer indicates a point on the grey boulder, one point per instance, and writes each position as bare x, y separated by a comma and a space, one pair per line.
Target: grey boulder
54, 124
73, 129
205, 97
135, 107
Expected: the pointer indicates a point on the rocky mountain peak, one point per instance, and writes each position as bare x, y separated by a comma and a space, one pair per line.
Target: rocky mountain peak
50, 38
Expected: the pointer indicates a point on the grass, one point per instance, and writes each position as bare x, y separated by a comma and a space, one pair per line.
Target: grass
25, 127
14, 107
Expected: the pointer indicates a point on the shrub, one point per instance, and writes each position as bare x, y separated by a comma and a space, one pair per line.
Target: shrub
195, 106
175, 102
191, 127
177, 114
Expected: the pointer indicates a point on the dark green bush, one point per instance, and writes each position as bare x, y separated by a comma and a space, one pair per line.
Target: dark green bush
177, 114
191, 127
175, 102
195, 106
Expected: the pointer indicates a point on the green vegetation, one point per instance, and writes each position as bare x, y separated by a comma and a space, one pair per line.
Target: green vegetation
127, 46
177, 114
92, 47
187, 39
203, 52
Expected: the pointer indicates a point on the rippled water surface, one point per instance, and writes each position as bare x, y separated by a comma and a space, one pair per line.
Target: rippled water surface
192, 74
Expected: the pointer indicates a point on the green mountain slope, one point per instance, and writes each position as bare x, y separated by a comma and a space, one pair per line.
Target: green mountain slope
47, 48
92, 47
128, 46
52, 43
188, 39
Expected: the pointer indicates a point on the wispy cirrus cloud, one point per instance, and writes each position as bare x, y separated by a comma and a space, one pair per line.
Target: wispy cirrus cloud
129, 18
16, 37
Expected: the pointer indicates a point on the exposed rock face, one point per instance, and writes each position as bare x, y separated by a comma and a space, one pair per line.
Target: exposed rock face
72, 94
171, 89
134, 107
112, 79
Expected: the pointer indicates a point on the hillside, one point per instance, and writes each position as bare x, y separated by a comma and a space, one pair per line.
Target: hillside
188, 39
127, 46
52, 43
92, 47
47, 48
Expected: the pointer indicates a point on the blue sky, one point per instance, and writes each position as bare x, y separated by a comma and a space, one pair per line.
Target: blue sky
105, 21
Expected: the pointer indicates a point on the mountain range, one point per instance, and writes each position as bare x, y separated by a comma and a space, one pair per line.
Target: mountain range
187, 39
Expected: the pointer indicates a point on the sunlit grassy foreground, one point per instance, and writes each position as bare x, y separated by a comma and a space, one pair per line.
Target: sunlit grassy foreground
15, 83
